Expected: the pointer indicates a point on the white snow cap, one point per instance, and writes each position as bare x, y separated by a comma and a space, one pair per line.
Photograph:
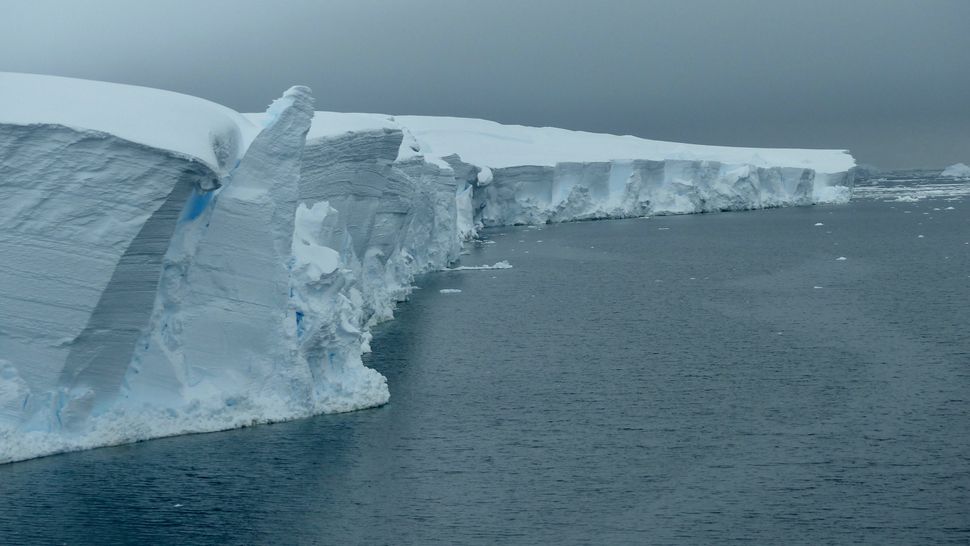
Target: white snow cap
189, 126
487, 143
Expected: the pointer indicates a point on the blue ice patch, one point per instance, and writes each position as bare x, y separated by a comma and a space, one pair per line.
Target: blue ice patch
196, 205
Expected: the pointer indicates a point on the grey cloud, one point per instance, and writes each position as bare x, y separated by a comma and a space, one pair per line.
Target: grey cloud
888, 79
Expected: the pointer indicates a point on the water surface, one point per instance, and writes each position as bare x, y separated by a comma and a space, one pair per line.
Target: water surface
706, 378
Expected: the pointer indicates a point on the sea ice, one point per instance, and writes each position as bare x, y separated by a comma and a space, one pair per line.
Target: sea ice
504, 264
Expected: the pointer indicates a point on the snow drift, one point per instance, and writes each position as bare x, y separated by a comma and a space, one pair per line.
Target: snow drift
171, 266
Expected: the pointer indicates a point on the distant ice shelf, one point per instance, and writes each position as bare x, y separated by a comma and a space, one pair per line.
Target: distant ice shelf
958, 170
171, 266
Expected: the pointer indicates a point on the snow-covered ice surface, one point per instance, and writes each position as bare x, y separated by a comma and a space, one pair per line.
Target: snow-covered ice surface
491, 144
171, 266
186, 126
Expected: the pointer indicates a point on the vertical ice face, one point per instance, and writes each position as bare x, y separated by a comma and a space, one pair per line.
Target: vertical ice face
372, 223
545, 174
224, 326
833, 187
86, 218
330, 317
168, 266
98, 358
622, 189
351, 207
137, 297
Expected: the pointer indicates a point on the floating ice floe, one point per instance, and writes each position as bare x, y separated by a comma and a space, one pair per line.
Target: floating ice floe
504, 264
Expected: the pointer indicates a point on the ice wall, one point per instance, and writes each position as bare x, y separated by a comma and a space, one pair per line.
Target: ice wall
223, 323
153, 285
525, 175
86, 219
622, 189
375, 222
143, 292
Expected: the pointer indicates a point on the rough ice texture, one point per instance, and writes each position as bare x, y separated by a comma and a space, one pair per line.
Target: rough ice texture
140, 300
958, 170
170, 266
528, 175
583, 191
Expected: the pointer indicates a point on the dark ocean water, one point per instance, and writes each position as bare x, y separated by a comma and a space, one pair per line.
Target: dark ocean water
700, 379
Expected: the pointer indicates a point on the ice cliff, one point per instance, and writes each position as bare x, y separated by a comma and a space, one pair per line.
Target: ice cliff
168, 265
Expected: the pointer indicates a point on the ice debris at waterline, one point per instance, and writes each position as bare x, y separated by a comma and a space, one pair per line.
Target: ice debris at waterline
172, 266
504, 264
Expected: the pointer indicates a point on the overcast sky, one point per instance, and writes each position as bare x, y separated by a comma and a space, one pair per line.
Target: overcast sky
887, 79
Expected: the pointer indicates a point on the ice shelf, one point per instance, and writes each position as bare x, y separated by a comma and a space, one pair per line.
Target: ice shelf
171, 266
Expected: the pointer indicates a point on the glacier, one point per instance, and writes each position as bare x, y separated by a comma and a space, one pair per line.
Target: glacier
171, 266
